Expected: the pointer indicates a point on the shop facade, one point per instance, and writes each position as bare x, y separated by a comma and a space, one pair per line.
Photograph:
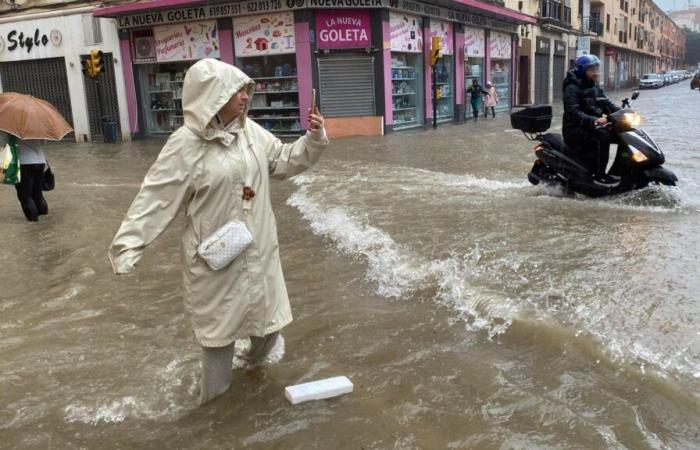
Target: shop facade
368, 59
40, 54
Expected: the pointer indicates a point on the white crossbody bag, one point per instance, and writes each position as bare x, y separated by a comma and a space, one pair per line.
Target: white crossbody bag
225, 244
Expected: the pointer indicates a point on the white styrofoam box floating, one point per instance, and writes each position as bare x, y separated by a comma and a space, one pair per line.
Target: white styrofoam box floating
318, 390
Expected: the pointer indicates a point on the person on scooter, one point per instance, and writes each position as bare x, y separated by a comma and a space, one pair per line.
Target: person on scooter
584, 123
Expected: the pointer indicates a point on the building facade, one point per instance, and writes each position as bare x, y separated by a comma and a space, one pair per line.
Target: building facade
368, 59
689, 18
631, 37
41, 53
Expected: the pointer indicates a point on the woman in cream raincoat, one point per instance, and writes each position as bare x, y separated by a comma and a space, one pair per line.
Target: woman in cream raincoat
206, 166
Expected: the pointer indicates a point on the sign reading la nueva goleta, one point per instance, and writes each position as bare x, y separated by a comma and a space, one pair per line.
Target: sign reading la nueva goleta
253, 7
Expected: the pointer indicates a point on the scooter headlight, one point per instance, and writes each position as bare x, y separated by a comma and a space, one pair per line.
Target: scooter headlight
638, 156
632, 119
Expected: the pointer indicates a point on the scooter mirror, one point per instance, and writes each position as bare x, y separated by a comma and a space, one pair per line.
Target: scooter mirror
635, 95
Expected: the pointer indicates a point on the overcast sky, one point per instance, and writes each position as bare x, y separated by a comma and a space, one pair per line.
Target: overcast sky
675, 4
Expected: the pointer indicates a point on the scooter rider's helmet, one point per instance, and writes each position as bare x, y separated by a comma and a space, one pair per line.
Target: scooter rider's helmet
585, 62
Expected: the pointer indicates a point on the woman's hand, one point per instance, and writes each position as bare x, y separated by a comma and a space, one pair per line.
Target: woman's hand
315, 120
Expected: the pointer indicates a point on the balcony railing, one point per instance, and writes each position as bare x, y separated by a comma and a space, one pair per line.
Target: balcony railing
591, 25
551, 11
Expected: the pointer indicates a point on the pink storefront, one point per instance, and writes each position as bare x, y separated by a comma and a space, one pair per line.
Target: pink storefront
368, 59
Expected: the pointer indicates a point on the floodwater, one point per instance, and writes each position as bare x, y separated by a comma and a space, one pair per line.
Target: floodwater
469, 308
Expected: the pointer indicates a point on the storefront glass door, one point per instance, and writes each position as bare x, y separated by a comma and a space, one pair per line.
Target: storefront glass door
501, 51
407, 82
444, 70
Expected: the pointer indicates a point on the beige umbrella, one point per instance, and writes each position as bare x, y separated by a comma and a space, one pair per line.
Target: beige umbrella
29, 117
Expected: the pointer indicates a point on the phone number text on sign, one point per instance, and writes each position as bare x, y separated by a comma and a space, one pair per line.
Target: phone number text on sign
264, 6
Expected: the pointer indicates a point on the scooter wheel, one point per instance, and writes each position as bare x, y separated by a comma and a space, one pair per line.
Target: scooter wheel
533, 179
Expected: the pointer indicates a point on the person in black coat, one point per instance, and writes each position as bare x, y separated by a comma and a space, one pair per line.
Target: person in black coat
585, 108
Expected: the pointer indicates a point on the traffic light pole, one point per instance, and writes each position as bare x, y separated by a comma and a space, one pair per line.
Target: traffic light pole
434, 95
100, 117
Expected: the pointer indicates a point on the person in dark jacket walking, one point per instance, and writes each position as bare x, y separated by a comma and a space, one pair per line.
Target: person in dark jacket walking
475, 91
585, 108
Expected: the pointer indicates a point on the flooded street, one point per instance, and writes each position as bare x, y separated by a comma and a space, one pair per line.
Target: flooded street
470, 308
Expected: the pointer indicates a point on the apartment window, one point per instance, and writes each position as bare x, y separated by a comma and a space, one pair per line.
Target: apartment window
607, 22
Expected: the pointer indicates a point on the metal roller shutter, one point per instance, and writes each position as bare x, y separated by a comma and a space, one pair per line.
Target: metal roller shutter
559, 74
43, 78
541, 78
347, 85
110, 103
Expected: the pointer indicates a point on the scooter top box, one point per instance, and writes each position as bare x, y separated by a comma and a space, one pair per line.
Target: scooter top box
532, 119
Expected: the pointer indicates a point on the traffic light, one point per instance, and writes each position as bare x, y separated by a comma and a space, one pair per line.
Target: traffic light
97, 62
435, 50
87, 68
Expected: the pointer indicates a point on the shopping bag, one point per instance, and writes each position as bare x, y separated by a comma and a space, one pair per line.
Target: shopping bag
9, 157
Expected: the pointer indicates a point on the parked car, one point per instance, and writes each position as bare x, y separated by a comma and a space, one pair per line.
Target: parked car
668, 79
651, 81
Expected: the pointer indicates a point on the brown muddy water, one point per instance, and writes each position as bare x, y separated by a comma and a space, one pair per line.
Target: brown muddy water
470, 309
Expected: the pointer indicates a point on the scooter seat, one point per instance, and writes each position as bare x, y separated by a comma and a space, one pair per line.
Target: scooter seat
556, 141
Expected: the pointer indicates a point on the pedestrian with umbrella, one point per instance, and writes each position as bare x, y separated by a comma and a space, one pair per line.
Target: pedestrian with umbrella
25, 123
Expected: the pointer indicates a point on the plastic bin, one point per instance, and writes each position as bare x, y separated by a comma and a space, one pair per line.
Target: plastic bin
532, 119
109, 131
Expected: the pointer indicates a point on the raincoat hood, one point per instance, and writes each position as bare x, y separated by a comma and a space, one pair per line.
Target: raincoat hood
209, 84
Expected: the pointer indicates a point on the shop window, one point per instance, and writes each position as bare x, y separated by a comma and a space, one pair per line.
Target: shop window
474, 62
161, 85
445, 81
275, 104
265, 49
407, 89
407, 82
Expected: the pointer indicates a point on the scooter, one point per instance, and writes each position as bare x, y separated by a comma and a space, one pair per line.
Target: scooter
638, 162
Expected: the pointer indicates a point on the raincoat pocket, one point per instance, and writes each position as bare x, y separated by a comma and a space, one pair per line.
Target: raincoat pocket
9, 169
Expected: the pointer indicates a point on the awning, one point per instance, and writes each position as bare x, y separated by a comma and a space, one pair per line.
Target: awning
137, 7
468, 6
495, 11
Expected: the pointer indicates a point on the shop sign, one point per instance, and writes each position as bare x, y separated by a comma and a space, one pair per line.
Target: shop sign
609, 51
343, 29
267, 34
583, 46
500, 46
253, 7
17, 40
186, 41
560, 48
406, 33
425, 9
474, 42
543, 45
443, 30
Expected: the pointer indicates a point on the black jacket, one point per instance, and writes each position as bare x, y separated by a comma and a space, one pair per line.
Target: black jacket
584, 102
